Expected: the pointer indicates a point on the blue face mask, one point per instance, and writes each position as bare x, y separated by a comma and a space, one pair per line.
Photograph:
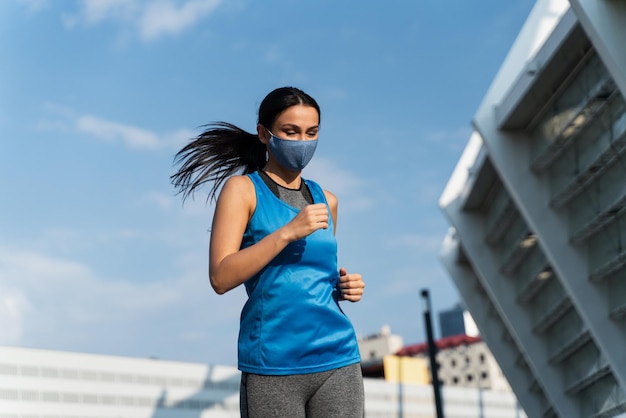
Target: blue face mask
293, 155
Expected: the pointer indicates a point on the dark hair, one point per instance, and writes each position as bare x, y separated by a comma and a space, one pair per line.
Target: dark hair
224, 149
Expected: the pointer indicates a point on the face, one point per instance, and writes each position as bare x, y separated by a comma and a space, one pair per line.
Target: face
298, 122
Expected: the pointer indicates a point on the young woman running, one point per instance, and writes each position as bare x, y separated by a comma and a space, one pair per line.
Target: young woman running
274, 232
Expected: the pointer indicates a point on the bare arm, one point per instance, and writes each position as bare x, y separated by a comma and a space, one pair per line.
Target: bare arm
333, 203
229, 266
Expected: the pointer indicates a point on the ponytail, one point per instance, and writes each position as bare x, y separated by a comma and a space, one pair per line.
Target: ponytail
220, 151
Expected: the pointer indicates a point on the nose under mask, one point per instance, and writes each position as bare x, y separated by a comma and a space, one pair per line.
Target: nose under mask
293, 155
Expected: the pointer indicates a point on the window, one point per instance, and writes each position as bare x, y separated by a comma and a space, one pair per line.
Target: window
89, 398
30, 395
470, 377
8, 369
49, 372
71, 397
50, 397
88, 375
8, 394
29, 371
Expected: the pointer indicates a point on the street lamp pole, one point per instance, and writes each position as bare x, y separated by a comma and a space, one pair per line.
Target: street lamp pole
432, 353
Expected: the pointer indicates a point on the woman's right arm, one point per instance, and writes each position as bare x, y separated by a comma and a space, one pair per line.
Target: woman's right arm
229, 266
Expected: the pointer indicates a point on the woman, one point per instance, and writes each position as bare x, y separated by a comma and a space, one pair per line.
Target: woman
273, 231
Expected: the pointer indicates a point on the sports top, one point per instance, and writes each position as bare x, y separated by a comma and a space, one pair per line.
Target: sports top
292, 322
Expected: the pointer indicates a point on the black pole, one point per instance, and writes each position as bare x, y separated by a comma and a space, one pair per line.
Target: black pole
432, 353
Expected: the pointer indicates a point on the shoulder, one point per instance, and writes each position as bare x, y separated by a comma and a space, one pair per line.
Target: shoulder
331, 199
239, 190
240, 181
239, 184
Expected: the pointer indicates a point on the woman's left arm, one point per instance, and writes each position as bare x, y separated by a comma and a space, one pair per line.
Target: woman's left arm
350, 284
332, 201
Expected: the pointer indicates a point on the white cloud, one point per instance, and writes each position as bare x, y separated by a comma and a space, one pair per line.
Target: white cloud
53, 302
161, 200
130, 136
177, 138
416, 242
63, 240
13, 308
72, 241
95, 11
165, 17
150, 19
41, 290
35, 5
58, 278
196, 207
67, 120
347, 186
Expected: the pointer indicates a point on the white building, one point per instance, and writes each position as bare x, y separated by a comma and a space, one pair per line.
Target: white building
46, 384
56, 384
537, 205
463, 361
374, 348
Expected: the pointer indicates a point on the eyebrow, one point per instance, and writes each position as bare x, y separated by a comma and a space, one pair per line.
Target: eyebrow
292, 125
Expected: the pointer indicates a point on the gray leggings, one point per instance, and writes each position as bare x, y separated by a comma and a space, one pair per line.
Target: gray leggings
332, 394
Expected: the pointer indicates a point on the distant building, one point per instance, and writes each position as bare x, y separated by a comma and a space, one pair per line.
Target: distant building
374, 348
463, 361
46, 383
457, 321
537, 212
404, 369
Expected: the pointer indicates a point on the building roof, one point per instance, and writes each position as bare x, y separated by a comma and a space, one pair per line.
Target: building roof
447, 342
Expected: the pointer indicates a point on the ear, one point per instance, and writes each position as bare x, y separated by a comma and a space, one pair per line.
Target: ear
264, 136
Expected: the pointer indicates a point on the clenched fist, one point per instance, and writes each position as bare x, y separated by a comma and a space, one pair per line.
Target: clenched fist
308, 220
351, 285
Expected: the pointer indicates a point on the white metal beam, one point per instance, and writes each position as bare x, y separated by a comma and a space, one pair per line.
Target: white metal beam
510, 155
470, 227
604, 21
490, 325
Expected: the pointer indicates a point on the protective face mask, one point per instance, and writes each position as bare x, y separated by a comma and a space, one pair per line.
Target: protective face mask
293, 155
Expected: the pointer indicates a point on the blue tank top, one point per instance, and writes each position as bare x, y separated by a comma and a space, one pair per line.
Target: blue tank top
292, 322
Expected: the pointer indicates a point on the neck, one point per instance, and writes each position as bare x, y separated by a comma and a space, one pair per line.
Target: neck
284, 178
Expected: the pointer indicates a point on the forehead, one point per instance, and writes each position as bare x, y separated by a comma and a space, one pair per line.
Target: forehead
301, 115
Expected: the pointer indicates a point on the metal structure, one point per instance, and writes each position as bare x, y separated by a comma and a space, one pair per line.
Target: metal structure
432, 353
537, 207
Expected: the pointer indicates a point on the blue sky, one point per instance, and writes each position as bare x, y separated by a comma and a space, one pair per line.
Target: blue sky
98, 254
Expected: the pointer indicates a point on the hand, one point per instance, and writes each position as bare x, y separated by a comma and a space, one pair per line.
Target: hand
351, 285
308, 220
